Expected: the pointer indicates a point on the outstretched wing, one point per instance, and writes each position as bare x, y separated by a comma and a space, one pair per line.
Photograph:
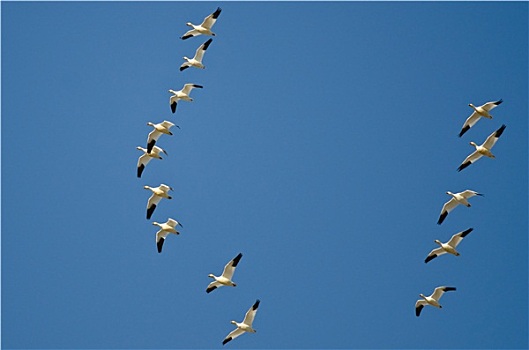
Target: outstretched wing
229, 269
250, 314
434, 254
210, 20
458, 237
472, 158
491, 140
233, 334
439, 291
473, 119
199, 54
491, 105
418, 306
447, 207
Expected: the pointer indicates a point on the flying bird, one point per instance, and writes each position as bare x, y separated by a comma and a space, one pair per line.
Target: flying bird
157, 194
481, 111
245, 325
159, 129
227, 274
197, 60
166, 228
146, 157
204, 28
448, 247
483, 150
182, 95
457, 198
432, 300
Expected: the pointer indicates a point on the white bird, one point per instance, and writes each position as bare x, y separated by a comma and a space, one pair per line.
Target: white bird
146, 157
457, 198
481, 111
483, 150
432, 300
204, 28
182, 95
165, 229
197, 60
227, 274
245, 325
448, 247
159, 129
157, 194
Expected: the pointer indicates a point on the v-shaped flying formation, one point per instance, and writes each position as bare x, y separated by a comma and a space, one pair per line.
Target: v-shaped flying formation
461, 198
154, 151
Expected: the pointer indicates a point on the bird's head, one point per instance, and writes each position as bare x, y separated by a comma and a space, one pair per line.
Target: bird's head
211, 275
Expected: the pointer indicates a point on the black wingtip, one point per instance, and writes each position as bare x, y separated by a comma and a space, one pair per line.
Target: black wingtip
500, 130
498, 102
217, 13
140, 169
150, 146
210, 289
186, 37
466, 232
236, 260
173, 107
183, 68
463, 166
226, 340
449, 289
256, 304
206, 44
159, 244
464, 130
430, 258
442, 218
150, 211
418, 310
197, 86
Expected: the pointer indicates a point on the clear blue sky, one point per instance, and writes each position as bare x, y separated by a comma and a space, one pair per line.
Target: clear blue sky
320, 147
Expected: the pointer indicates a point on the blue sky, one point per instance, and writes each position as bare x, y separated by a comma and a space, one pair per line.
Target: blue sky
320, 147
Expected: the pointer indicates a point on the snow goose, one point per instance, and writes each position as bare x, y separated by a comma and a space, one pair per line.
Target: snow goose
481, 111
457, 198
483, 150
182, 95
432, 300
165, 229
227, 274
197, 60
146, 157
204, 28
157, 194
159, 129
448, 247
245, 325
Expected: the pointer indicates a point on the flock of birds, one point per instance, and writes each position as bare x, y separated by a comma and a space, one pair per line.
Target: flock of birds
460, 198
162, 191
